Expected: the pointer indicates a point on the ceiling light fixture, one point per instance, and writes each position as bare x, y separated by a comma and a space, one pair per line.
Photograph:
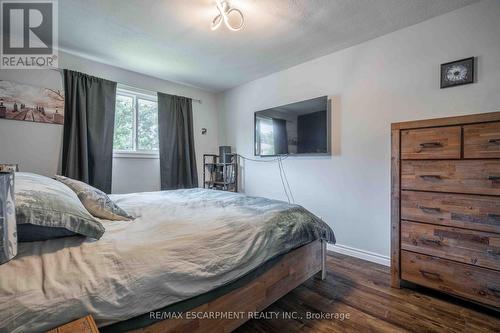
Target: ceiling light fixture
225, 11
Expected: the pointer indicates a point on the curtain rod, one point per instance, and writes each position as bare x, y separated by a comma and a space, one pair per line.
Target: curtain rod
60, 70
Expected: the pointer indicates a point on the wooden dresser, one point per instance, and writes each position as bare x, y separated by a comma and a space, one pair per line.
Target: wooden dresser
446, 205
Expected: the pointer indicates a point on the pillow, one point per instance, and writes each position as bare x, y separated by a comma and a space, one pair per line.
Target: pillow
46, 204
95, 201
34, 233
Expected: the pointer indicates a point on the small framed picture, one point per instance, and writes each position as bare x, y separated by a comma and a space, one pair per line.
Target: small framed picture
4, 167
457, 73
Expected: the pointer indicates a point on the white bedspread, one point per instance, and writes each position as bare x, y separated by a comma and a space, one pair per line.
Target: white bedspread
183, 243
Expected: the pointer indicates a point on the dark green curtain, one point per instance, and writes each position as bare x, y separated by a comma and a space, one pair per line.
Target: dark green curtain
89, 121
280, 136
175, 133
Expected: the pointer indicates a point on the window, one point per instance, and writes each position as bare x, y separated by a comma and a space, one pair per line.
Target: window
265, 133
136, 123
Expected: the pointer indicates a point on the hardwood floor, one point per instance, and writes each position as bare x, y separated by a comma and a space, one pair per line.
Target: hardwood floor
361, 289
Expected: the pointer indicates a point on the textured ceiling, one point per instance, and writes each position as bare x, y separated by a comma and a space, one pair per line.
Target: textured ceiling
172, 40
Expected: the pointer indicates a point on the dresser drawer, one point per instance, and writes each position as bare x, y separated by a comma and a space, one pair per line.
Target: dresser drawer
479, 284
456, 210
431, 143
467, 246
464, 176
482, 140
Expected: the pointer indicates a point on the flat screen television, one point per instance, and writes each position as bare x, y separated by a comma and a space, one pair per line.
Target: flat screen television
294, 129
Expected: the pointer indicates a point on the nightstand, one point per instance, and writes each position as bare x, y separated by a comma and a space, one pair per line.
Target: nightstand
82, 325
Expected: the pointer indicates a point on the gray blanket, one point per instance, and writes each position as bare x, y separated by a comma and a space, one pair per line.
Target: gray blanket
183, 243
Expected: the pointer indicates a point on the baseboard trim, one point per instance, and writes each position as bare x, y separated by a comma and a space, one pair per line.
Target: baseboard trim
361, 254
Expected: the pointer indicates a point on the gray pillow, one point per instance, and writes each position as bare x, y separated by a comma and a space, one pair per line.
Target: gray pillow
95, 201
45, 202
34, 233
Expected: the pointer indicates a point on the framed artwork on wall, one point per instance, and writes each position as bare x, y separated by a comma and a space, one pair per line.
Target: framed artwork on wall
457, 73
30, 103
9, 167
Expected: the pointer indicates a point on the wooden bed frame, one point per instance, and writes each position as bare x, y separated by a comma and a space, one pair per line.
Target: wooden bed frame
293, 269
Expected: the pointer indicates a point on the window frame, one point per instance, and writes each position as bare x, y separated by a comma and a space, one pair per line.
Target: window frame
135, 152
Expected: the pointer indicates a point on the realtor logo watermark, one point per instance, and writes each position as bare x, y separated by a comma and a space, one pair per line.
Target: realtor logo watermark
29, 34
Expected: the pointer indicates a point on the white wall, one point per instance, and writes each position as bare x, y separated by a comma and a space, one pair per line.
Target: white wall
389, 79
37, 147
137, 175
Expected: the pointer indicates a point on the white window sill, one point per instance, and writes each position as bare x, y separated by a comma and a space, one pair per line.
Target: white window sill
136, 154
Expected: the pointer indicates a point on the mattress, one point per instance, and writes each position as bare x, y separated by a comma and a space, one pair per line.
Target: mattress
182, 244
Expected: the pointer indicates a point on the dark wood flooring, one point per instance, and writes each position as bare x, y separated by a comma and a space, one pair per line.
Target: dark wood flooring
362, 290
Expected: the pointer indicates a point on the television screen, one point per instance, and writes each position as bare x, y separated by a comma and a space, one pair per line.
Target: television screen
297, 128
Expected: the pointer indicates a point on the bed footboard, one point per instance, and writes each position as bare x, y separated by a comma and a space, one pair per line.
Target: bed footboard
323, 260
292, 270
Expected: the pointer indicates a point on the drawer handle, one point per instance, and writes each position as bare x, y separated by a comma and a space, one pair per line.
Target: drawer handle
492, 252
430, 275
430, 177
494, 291
494, 178
430, 241
494, 141
430, 209
495, 217
431, 145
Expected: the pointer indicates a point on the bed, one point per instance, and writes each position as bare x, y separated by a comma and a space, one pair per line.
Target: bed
187, 250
